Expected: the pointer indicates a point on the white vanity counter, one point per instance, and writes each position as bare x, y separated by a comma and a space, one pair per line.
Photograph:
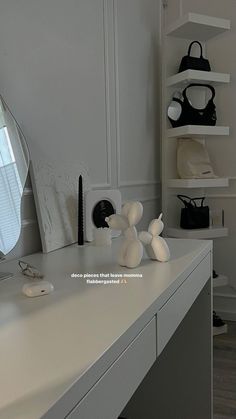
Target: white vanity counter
53, 349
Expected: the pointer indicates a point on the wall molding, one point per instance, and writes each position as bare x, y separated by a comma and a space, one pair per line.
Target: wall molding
127, 184
121, 183
117, 91
180, 8
132, 183
101, 186
108, 55
107, 92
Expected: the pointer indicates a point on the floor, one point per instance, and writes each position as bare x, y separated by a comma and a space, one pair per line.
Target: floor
225, 374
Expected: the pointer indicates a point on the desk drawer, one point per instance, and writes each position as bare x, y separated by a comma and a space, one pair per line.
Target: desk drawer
110, 395
172, 313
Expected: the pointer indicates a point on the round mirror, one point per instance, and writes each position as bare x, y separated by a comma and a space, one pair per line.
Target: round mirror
174, 110
14, 165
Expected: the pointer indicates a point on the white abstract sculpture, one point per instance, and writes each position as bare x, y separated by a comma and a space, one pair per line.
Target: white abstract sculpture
131, 251
155, 245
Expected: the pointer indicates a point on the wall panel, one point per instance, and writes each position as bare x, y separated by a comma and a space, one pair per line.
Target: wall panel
82, 79
138, 104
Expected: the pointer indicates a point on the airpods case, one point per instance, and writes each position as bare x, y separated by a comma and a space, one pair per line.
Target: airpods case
37, 288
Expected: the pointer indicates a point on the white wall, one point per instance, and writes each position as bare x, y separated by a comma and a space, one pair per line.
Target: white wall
82, 78
221, 53
138, 69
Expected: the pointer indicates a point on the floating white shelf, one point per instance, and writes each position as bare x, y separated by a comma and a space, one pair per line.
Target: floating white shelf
196, 26
199, 183
220, 330
195, 76
225, 291
197, 131
203, 233
220, 281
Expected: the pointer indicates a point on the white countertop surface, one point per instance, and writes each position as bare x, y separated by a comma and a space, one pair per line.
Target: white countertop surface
49, 343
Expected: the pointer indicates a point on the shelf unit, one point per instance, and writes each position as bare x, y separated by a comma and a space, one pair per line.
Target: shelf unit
195, 76
198, 183
197, 131
191, 26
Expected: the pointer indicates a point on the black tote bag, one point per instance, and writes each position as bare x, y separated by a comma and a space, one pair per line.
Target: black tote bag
194, 216
194, 63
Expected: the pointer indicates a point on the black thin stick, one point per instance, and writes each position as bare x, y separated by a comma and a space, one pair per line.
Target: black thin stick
80, 213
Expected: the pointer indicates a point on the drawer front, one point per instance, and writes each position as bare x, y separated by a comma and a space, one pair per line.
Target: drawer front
110, 395
172, 313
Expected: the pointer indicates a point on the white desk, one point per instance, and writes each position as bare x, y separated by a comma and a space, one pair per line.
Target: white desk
82, 351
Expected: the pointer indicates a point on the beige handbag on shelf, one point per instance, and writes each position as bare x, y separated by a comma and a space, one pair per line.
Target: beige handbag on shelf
193, 160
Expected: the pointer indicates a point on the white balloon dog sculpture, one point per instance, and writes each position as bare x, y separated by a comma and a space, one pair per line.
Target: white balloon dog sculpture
156, 246
131, 251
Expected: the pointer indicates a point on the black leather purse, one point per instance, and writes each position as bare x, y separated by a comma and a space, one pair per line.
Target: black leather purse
193, 116
194, 63
192, 215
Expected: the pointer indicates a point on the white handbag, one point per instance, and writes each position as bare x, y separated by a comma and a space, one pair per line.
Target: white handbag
193, 160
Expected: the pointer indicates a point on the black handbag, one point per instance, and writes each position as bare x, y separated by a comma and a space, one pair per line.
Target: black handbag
192, 215
194, 63
193, 116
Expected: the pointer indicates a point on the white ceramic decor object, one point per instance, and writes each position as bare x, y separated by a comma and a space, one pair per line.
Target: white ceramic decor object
155, 245
131, 250
56, 197
98, 205
102, 236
